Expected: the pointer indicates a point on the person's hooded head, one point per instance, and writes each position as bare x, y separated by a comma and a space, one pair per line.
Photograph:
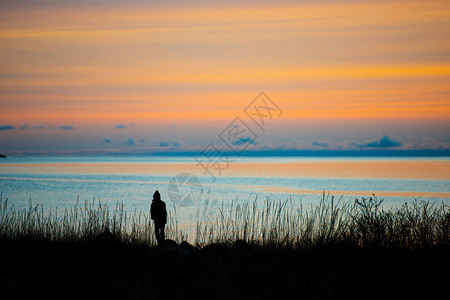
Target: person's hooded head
156, 195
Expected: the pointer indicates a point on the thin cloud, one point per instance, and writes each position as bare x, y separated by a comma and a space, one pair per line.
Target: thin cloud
6, 127
129, 142
245, 140
384, 142
320, 144
121, 126
67, 127
169, 144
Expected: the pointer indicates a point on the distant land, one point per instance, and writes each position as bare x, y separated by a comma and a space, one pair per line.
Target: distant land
253, 153
326, 153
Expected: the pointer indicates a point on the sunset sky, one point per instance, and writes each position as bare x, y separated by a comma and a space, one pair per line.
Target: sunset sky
123, 76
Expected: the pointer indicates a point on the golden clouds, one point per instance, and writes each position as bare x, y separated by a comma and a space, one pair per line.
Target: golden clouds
354, 60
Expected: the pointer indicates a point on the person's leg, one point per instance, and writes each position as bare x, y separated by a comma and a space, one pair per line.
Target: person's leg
157, 234
162, 233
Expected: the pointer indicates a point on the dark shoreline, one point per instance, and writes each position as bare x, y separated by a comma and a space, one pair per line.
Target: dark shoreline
116, 270
336, 250
305, 153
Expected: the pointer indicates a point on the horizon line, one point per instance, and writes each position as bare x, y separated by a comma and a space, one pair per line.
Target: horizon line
256, 153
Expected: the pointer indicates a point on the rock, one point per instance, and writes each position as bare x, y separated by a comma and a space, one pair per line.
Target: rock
188, 247
106, 237
8, 282
216, 249
1, 155
170, 244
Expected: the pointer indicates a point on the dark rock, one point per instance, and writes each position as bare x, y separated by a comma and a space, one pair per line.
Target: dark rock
216, 249
1, 155
170, 244
106, 237
188, 247
8, 281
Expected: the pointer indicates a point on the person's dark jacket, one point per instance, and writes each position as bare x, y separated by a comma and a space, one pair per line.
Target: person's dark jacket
158, 212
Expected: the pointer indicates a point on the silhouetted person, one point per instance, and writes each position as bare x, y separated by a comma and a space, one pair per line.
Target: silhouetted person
158, 214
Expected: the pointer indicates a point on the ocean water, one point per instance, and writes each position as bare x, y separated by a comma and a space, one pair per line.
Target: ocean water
196, 192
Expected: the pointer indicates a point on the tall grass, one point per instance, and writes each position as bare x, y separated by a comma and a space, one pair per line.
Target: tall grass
363, 223
82, 222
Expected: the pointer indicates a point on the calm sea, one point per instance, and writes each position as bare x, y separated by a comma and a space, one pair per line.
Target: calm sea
196, 189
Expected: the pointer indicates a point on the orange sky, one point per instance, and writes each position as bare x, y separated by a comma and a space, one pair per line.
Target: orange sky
92, 67
392, 169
